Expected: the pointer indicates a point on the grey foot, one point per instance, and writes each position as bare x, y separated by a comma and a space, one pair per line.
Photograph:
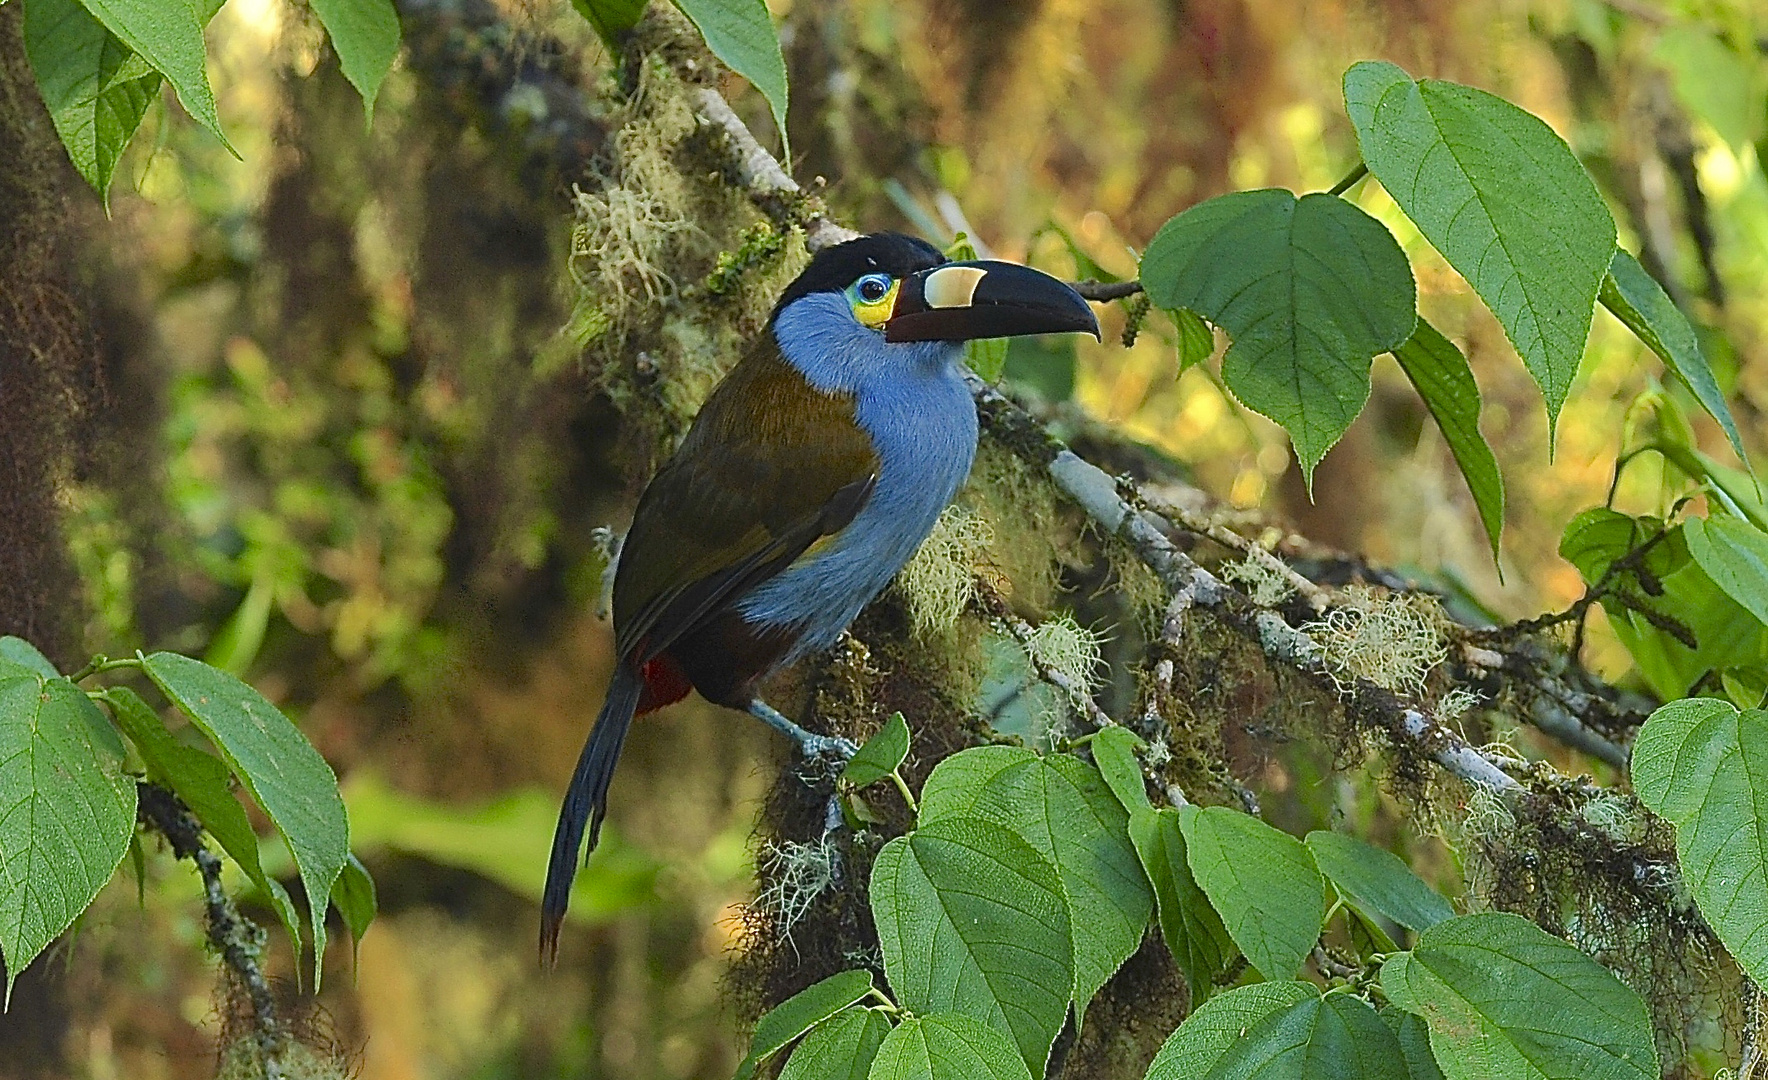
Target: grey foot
810, 744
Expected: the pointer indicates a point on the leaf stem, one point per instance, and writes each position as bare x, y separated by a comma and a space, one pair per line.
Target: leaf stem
1349, 180
102, 663
903, 787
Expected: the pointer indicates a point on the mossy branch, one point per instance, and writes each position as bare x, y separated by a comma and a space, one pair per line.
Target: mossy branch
239, 940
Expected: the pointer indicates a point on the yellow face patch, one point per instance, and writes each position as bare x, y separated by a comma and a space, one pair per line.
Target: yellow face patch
874, 299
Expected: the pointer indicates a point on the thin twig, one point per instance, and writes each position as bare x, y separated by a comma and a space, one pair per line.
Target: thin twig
1104, 291
1197, 524
239, 940
1350, 179
1022, 632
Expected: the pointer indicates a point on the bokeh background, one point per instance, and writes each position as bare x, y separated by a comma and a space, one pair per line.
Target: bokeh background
341, 443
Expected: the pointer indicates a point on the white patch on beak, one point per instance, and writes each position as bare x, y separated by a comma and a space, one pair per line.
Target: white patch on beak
952, 286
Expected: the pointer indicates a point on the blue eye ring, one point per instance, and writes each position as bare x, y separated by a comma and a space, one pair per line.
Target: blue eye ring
872, 288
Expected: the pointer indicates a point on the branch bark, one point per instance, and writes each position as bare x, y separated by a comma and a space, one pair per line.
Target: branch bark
239, 940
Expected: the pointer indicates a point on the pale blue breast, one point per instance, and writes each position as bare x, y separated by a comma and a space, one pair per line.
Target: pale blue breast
912, 401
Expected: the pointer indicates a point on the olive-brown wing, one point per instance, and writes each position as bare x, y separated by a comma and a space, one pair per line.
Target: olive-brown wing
770, 465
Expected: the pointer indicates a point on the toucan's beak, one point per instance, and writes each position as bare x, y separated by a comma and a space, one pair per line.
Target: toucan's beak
985, 299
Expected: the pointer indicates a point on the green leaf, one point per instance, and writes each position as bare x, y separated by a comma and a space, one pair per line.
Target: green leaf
1216, 1027
1043, 363
1194, 932
1641, 304
365, 34
801, 1012
1377, 881
971, 918
1442, 378
1595, 538
741, 34
204, 784
610, 18
1114, 751
290, 781
1309, 290
1414, 1036
24, 654
77, 63
882, 754
1062, 808
1337, 1037
987, 357
506, 840
841, 1047
1262, 881
67, 810
1196, 339
354, 897
1704, 765
1505, 201
1714, 82
169, 37
1734, 555
1504, 998
947, 1046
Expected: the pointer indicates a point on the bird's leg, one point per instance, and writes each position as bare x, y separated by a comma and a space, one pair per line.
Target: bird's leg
810, 744
813, 747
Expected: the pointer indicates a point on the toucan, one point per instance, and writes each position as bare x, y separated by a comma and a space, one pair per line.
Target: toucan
810, 476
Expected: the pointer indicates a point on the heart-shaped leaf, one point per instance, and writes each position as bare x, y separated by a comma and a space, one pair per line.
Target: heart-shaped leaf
1734, 555
365, 34
947, 1046
170, 38
971, 918
1640, 302
1308, 289
1504, 998
1062, 808
1193, 931
67, 810
1378, 881
1281, 1031
204, 784
1704, 765
76, 61
741, 34
1263, 882
801, 1012
842, 1047
1502, 197
881, 754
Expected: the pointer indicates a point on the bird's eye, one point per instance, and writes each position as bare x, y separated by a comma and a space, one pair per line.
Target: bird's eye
873, 288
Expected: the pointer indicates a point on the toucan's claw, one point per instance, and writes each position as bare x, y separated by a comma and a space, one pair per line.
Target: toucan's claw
810, 744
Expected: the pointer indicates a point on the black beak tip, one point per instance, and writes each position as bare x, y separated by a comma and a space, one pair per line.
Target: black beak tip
1092, 326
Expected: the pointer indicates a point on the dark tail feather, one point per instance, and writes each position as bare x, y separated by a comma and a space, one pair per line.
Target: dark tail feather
586, 801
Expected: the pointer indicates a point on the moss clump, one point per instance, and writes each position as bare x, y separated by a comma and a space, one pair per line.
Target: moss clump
1263, 582
674, 270
794, 873
243, 1060
1392, 640
1070, 652
1032, 527
939, 583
